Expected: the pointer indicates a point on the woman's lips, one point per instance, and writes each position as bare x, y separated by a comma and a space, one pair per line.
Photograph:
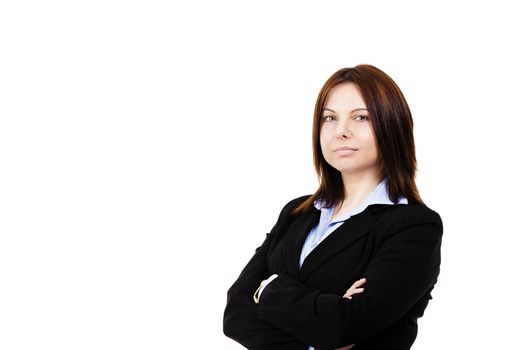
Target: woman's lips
345, 150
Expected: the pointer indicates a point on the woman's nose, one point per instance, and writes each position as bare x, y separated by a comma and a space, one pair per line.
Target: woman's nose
342, 131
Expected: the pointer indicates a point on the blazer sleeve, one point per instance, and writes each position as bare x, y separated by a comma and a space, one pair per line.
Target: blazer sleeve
404, 268
241, 322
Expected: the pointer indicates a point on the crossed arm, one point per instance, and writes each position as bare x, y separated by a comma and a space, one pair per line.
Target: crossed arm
241, 322
292, 315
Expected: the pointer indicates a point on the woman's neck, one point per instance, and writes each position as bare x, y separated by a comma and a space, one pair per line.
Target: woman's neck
357, 188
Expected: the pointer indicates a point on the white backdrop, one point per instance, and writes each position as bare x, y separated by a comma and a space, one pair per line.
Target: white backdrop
146, 147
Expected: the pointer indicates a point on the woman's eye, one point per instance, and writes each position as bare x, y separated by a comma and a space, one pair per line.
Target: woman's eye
328, 118
361, 117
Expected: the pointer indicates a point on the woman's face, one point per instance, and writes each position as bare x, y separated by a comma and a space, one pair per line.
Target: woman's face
345, 122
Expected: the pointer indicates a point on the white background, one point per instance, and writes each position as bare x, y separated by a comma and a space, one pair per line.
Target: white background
146, 147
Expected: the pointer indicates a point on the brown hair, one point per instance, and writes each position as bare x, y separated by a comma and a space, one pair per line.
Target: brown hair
393, 128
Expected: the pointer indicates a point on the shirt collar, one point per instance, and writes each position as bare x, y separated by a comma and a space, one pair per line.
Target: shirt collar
378, 196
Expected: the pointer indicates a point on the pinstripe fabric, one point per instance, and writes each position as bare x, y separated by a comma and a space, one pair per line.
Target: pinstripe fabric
326, 225
396, 247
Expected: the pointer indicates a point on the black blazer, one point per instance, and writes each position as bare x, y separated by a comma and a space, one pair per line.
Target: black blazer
395, 247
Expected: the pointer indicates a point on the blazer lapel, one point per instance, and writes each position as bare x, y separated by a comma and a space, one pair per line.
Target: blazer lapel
298, 232
345, 235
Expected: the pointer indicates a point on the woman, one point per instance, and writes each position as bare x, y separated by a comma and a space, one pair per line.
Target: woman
353, 265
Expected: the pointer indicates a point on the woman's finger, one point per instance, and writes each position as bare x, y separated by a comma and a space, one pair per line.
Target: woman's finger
353, 291
359, 283
355, 288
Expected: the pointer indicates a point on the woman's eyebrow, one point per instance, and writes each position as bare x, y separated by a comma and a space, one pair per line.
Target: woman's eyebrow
352, 111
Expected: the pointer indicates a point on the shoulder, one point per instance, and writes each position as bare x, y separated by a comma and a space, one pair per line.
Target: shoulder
284, 220
404, 216
286, 211
294, 203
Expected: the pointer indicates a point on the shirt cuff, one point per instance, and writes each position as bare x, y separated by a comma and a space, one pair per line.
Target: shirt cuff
265, 283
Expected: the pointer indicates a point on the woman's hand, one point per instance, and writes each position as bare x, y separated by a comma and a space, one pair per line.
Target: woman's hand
355, 289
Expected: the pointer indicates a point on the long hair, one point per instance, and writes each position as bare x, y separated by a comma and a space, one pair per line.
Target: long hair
393, 128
